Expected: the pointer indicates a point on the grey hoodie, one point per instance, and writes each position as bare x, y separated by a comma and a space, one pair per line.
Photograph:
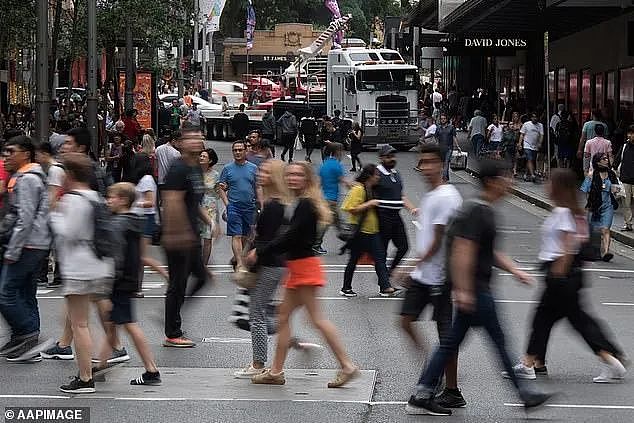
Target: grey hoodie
288, 123
28, 213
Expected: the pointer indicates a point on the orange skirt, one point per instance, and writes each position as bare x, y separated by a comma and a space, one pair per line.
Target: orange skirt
304, 272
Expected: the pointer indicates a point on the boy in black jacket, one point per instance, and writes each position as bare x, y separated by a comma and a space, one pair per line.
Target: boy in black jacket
129, 228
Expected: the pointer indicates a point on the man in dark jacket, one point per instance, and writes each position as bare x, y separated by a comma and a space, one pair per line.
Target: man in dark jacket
240, 124
627, 178
288, 125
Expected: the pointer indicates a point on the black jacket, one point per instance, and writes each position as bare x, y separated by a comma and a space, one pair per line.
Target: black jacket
627, 164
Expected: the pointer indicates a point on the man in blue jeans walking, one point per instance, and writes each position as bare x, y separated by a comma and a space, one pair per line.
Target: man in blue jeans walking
238, 193
472, 254
477, 131
26, 239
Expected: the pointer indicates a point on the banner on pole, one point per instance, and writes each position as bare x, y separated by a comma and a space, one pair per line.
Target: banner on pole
333, 7
250, 25
210, 12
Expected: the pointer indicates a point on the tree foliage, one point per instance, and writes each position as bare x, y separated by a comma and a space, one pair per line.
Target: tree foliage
271, 12
18, 24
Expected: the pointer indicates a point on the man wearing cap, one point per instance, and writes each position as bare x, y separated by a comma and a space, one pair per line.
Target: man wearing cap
389, 192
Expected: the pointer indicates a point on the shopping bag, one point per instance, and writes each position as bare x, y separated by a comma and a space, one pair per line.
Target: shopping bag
298, 144
458, 160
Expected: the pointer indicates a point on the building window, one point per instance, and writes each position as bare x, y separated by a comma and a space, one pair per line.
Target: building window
626, 92
599, 92
561, 86
573, 95
610, 91
586, 100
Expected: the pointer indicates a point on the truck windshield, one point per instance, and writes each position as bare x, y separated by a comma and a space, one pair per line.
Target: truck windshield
387, 79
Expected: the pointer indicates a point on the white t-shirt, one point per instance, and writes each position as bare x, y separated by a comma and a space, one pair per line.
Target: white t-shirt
532, 133
437, 207
431, 131
561, 220
436, 97
55, 175
145, 184
496, 133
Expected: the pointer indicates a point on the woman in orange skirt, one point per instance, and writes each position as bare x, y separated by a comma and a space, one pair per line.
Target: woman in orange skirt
305, 274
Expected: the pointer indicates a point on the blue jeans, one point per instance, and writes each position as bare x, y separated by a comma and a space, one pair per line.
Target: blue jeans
446, 162
372, 244
477, 140
18, 289
484, 315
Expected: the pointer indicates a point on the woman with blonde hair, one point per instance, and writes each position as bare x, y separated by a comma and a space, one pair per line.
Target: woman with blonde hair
305, 273
270, 267
148, 146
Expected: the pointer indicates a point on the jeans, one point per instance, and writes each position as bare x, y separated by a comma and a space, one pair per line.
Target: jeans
288, 141
392, 229
476, 141
562, 298
18, 289
446, 160
484, 315
321, 229
180, 265
367, 243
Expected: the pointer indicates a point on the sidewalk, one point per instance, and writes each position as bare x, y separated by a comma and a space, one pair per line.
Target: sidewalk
535, 194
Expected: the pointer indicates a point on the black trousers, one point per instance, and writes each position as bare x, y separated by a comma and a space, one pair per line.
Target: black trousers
310, 141
392, 229
288, 141
181, 264
355, 159
562, 298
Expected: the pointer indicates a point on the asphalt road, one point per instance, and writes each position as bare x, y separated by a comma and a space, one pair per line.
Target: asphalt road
199, 387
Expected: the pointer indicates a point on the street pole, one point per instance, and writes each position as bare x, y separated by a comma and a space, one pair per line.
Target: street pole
181, 88
91, 93
42, 98
128, 103
546, 70
203, 64
195, 55
212, 62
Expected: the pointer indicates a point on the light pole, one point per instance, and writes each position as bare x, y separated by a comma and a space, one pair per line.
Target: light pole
91, 93
42, 98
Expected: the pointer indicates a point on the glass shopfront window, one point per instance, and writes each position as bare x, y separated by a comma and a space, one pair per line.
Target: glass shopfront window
599, 92
586, 100
521, 80
551, 89
573, 95
561, 85
626, 93
610, 90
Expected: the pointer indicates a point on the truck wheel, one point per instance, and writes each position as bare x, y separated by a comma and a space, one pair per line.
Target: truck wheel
226, 132
215, 133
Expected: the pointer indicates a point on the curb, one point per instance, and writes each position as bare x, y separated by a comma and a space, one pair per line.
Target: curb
616, 235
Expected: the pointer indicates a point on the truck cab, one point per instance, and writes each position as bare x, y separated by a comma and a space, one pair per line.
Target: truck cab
377, 89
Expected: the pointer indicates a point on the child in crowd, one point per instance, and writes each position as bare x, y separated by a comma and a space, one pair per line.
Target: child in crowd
129, 228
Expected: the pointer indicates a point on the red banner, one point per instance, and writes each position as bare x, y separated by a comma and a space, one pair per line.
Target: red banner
142, 97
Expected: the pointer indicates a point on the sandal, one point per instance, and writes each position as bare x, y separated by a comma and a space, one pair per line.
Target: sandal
342, 378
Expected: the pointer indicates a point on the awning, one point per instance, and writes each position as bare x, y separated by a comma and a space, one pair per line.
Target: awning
423, 14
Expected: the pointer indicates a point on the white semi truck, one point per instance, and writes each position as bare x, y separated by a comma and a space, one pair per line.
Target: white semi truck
377, 89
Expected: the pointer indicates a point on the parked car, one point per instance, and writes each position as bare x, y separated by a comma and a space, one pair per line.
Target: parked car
203, 105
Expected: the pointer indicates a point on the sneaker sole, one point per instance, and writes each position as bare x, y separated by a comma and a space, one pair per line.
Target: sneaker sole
169, 345
20, 360
274, 382
121, 359
347, 295
244, 376
419, 411
148, 384
79, 391
521, 377
58, 356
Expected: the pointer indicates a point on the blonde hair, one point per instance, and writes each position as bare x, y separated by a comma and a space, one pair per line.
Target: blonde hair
277, 188
148, 144
314, 193
123, 190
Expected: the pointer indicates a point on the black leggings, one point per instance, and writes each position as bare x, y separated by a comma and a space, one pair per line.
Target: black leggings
288, 141
562, 298
355, 160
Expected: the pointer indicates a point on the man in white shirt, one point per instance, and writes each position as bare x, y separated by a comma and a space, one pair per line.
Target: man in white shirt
427, 283
531, 137
165, 156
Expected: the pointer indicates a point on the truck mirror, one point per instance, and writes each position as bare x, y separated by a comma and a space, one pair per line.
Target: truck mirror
350, 84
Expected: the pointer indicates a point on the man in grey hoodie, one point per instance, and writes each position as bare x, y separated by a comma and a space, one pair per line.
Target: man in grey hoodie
26, 238
288, 125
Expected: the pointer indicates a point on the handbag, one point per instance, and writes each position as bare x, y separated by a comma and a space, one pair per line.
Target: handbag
348, 230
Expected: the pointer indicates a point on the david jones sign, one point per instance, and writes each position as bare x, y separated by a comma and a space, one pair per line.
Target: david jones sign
495, 42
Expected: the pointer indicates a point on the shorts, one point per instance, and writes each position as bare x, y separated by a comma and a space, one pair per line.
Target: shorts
95, 287
149, 226
418, 296
121, 312
530, 154
239, 220
304, 272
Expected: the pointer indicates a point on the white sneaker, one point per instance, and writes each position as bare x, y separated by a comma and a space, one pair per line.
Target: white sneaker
605, 376
522, 372
612, 372
247, 373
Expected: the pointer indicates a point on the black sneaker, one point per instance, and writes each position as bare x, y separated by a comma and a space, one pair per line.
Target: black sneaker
59, 353
118, 356
147, 378
541, 371
450, 399
29, 351
78, 386
347, 293
11, 346
421, 406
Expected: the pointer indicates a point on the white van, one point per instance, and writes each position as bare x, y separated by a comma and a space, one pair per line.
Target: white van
232, 90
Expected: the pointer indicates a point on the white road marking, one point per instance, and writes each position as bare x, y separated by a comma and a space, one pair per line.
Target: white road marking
35, 396
594, 406
44, 291
226, 340
619, 304
517, 301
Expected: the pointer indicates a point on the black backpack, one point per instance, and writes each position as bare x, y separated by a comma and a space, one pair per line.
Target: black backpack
104, 235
